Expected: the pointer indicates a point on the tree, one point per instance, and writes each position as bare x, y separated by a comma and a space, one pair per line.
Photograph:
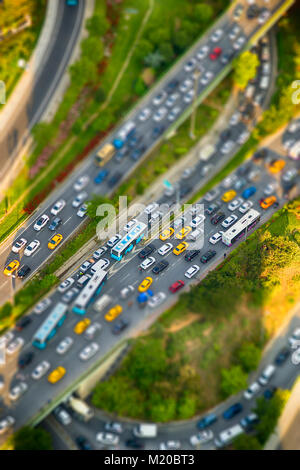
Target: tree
93, 205
100, 95
140, 88
249, 356
186, 407
268, 412
167, 51
92, 47
144, 48
203, 13
233, 380
246, 442
97, 25
159, 35
83, 71
31, 439
245, 68
154, 60
163, 410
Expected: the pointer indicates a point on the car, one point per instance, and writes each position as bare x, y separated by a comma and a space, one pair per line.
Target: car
129, 225
114, 426
258, 99
126, 292
17, 391
23, 322
89, 351
165, 249
19, 245
270, 189
294, 339
179, 222
229, 221
157, 300
176, 286
79, 199
206, 78
186, 85
81, 326
145, 252
120, 326
282, 356
215, 54
252, 390
62, 415
192, 271
81, 183
160, 98
159, 267
151, 208
172, 99
226, 58
55, 223
172, 85
65, 285
55, 241
86, 265
227, 147
113, 313
201, 437
288, 144
235, 118
190, 255
210, 210
170, 445
269, 393
25, 359
166, 234
245, 206
239, 184
98, 253
235, 204
134, 444
180, 248
208, 420
155, 217
190, 65
32, 247
23, 271
235, 30
6, 424
144, 114
114, 240
147, 263
276, 166
264, 15
267, 374
157, 131
114, 179
82, 443
202, 53
160, 114
56, 375
107, 438
145, 284
64, 345
82, 211
216, 36
289, 175
296, 357
58, 207
92, 331
243, 137
183, 233
40, 370
248, 192
199, 219
41, 222
42, 306
268, 202
215, 238
211, 195
232, 411
208, 256
218, 217
239, 43
70, 295
174, 113
101, 176
249, 421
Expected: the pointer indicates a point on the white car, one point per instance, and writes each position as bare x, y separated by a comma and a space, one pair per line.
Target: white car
234, 32
19, 245
190, 65
201, 438
270, 189
15, 346
216, 36
126, 292
113, 240
294, 339
188, 98
179, 222
66, 284
243, 137
166, 248
294, 126
98, 253
92, 331
296, 357
64, 345
170, 445
211, 195
157, 300
245, 206
239, 43
229, 181
58, 207
147, 262
290, 175
42, 306
31, 248
160, 114
79, 199
202, 53
229, 221
174, 113
197, 221
151, 208
81, 183
155, 216
62, 416
113, 426
192, 271
82, 211
130, 225
252, 390
160, 98
172, 99
235, 204
7, 337
288, 144
107, 438
145, 114
6, 423
17, 391
227, 147
186, 85
215, 238
235, 118
41, 222
102, 264
206, 78
89, 351
264, 16
40, 370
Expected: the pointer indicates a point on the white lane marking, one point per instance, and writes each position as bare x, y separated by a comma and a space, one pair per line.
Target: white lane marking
67, 220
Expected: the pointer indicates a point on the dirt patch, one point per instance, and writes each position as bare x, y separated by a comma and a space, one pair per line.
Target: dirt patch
186, 321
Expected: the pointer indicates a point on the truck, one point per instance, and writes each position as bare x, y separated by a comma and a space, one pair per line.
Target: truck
145, 430
104, 154
81, 409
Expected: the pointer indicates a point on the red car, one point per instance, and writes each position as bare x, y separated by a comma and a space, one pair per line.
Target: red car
215, 53
176, 286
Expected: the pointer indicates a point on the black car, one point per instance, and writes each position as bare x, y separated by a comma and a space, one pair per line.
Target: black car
120, 326
134, 444
225, 135
137, 153
260, 155
25, 321
208, 256
160, 267
226, 58
55, 223
24, 271
191, 255
243, 170
25, 359
135, 140
146, 251
252, 12
217, 218
172, 85
282, 356
211, 209
157, 131
269, 392
121, 153
83, 443
115, 178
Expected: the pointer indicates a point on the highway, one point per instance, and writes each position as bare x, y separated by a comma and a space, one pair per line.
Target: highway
144, 131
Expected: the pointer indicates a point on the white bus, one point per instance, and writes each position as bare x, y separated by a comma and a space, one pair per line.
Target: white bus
241, 227
89, 292
49, 327
128, 242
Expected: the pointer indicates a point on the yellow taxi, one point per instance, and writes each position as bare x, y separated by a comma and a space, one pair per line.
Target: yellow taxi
55, 240
183, 233
180, 248
167, 233
81, 326
11, 267
229, 195
268, 202
56, 375
113, 313
276, 166
145, 284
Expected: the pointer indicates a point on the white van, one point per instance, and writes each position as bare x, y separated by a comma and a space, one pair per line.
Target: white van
145, 430
264, 82
102, 303
195, 235
226, 437
101, 264
266, 374
207, 152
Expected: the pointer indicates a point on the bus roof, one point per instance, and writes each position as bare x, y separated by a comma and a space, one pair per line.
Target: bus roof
91, 288
129, 237
51, 321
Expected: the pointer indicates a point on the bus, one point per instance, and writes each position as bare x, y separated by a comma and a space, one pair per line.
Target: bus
241, 227
90, 292
50, 326
105, 154
127, 243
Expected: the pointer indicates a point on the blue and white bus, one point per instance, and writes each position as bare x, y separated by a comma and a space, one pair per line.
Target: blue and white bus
241, 227
90, 292
49, 327
128, 242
